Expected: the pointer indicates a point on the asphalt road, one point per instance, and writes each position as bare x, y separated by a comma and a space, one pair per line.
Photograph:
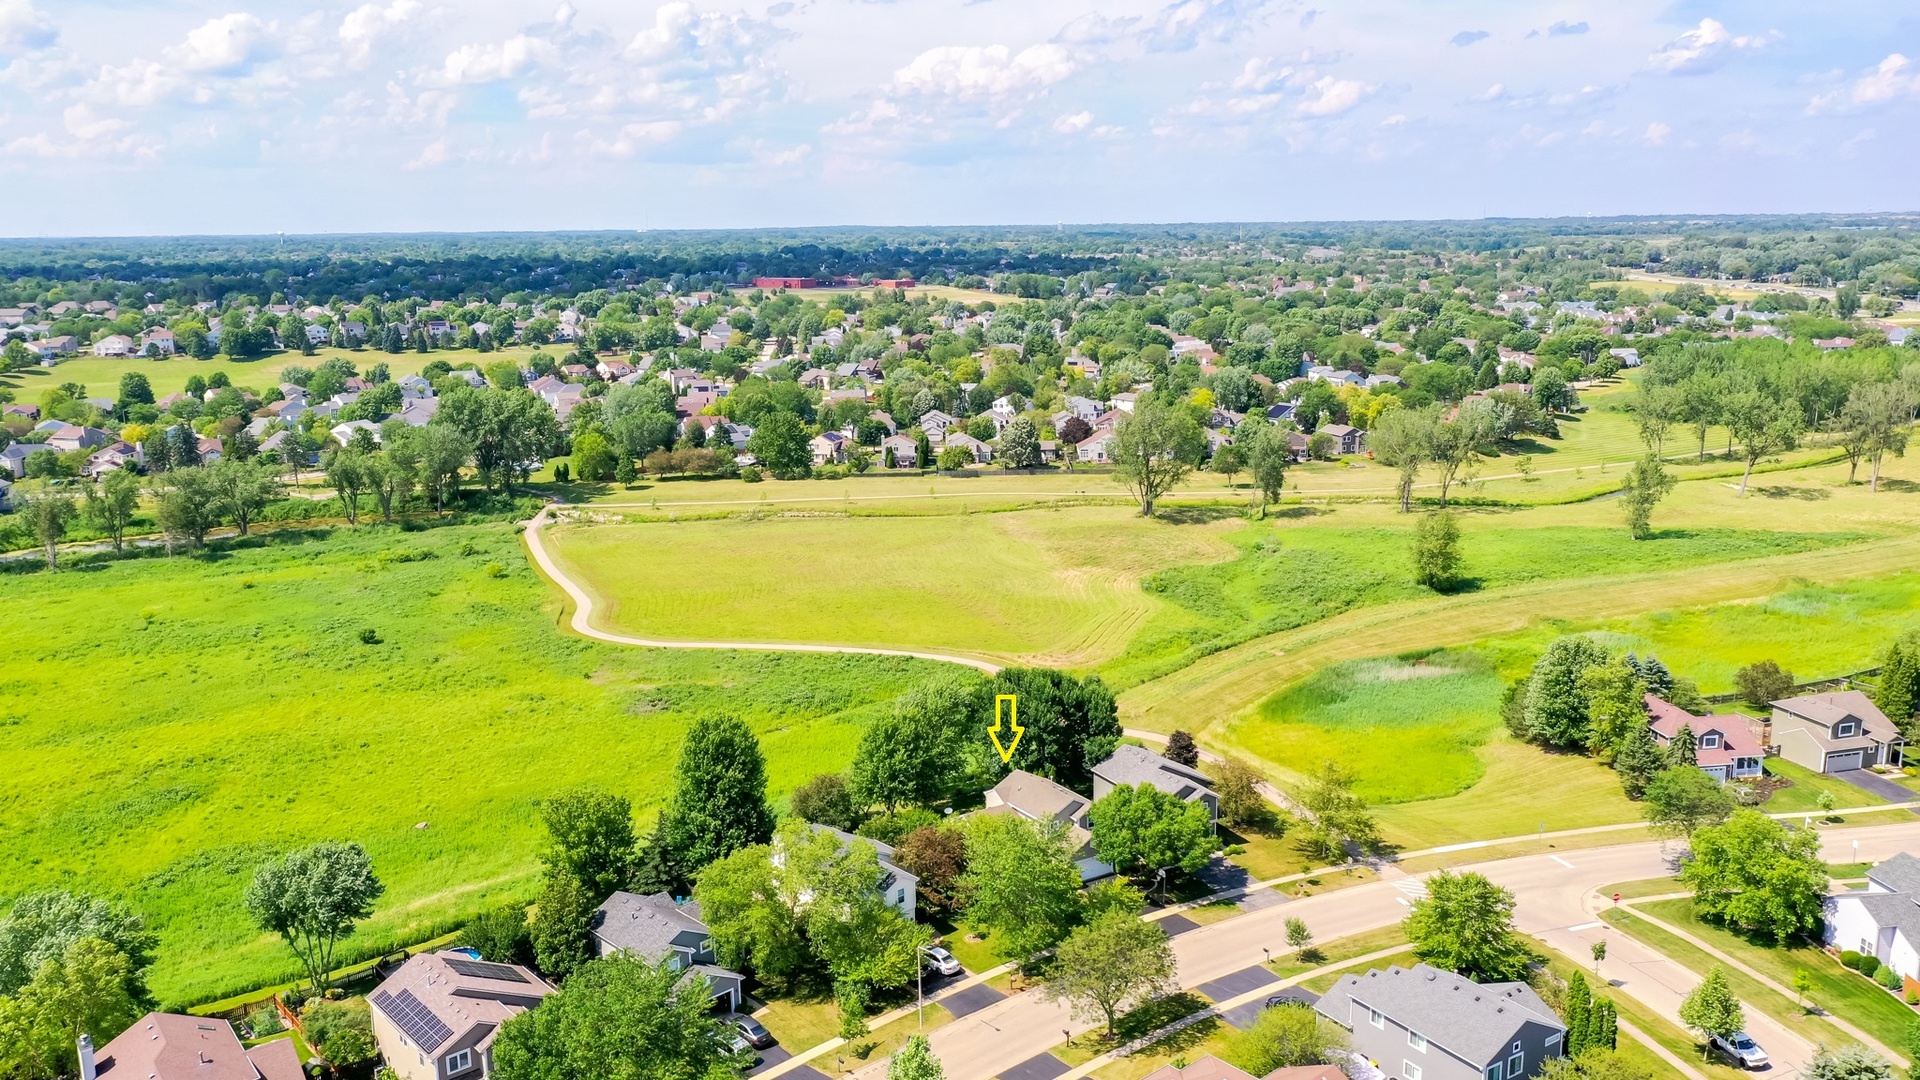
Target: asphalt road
1558, 902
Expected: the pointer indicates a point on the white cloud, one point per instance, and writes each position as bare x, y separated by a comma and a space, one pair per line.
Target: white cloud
1564, 29
1069, 123
1396, 120
1328, 96
1894, 78
24, 28
366, 25
485, 63
633, 138
228, 45
1178, 27
1701, 49
437, 152
88, 135
973, 72
1493, 93
1468, 37
1657, 133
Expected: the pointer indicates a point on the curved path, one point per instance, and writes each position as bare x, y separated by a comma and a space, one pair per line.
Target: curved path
582, 623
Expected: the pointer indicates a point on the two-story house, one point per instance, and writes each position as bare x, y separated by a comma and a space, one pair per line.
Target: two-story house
436, 1017
1037, 798
1836, 732
898, 887
1883, 920
1725, 747
170, 1046
654, 928
1131, 765
1422, 1023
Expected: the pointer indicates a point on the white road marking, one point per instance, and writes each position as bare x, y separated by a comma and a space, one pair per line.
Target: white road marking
1561, 861
1586, 926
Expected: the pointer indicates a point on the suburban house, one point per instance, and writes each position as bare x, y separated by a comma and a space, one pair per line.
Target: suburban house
70, 437
1212, 1068
169, 1046
1038, 799
1413, 1019
158, 340
438, 1014
1725, 747
113, 345
1097, 446
904, 448
1883, 921
829, 448
1131, 765
654, 928
1835, 732
982, 453
899, 888
1346, 440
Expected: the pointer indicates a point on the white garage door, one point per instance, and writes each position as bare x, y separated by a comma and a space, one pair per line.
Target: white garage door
1844, 762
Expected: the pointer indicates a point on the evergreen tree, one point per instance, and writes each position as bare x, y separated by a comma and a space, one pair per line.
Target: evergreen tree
1603, 1026
720, 800
1657, 677
1557, 707
1684, 749
559, 927
1579, 1009
1638, 761
1895, 694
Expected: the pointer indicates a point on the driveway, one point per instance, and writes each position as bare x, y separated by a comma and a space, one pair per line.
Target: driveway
1874, 784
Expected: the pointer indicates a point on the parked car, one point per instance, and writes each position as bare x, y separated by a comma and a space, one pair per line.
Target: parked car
943, 962
1740, 1047
752, 1030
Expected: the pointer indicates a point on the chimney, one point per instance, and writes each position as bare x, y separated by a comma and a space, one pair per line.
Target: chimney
87, 1069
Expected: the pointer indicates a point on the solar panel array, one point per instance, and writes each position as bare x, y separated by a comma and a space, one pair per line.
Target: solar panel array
425, 1029
480, 969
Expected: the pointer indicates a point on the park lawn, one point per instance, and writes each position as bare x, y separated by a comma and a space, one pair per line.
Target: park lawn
1131, 1025
1043, 587
1199, 1039
101, 375
1675, 1039
1524, 790
1339, 951
1804, 795
1846, 994
1752, 993
152, 759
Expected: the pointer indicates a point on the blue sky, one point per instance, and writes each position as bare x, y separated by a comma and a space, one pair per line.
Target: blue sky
170, 116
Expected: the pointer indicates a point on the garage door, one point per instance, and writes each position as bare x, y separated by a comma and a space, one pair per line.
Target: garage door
1844, 762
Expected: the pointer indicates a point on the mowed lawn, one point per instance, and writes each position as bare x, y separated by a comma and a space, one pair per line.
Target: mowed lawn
1059, 587
167, 724
101, 375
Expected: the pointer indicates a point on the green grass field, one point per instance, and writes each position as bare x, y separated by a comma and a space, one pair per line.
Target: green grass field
101, 376
169, 723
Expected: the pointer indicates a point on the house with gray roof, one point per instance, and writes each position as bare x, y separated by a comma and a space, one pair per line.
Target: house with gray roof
1883, 920
438, 1014
1131, 766
1422, 1023
1037, 798
654, 928
1836, 732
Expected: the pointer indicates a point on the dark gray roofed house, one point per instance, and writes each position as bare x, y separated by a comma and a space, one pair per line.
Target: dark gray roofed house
899, 888
1836, 732
1900, 874
1883, 920
1131, 765
1422, 1023
654, 928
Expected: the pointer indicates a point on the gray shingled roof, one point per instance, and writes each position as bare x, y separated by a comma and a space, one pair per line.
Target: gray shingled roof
1468, 1019
1132, 765
1900, 874
646, 926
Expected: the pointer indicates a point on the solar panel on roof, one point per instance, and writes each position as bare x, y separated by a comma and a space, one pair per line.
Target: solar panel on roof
415, 1019
480, 969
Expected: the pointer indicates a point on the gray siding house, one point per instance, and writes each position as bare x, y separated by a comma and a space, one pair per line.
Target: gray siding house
654, 928
1422, 1023
1837, 732
1130, 765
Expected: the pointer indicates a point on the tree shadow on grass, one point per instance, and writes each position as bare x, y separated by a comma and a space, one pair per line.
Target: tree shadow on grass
1800, 494
1888, 483
1196, 515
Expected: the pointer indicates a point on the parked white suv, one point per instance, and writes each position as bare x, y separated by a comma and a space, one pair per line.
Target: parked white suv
1742, 1049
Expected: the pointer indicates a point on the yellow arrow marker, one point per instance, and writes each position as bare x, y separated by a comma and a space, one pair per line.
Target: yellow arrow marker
1013, 725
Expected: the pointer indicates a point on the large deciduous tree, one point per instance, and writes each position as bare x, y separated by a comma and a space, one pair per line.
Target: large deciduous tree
1682, 800
1647, 482
1465, 924
620, 1018
720, 796
1070, 724
590, 834
1289, 1035
1138, 829
1762, 424
1403, 439
1711, 1007
1113, 961
42, 925
1757, 875
312, 898
1437, 563
1557, 711
1339, 818
1154, 448
1021, 884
